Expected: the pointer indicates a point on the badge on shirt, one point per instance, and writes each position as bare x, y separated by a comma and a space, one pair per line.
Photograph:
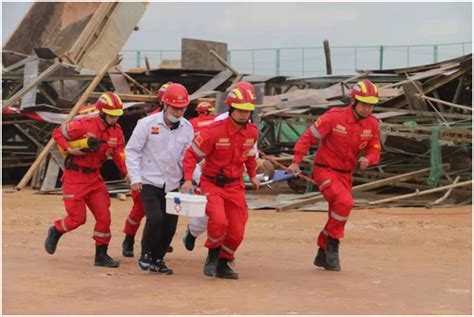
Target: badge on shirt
155, 130
198, 140
204, 123
363, 145
367, 132
341, 129
223, 143
249, 142
112, 141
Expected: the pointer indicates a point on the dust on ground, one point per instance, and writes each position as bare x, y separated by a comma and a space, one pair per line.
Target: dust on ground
394, 261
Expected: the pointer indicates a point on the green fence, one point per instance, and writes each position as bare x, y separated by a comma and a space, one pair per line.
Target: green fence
310, 61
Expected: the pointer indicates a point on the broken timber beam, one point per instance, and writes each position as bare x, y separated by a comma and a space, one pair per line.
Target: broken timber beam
443, 198
74, 110
51, 69
450, 104
360, 188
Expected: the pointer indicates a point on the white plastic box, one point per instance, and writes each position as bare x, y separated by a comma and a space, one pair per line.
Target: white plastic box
185, 204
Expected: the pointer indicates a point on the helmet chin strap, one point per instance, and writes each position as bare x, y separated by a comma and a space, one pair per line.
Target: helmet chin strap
239, 123
102, 115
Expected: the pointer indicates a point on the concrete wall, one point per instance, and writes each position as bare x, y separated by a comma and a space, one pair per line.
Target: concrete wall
195, 54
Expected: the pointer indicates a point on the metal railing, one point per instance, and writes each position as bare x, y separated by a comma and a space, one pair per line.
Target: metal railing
310, 61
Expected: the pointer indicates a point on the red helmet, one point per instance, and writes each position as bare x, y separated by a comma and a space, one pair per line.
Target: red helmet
161, 91
240, 98
176, 95
204, 107
109, 103
365, 91
247, 86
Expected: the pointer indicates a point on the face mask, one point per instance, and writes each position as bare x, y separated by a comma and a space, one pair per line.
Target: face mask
172, 118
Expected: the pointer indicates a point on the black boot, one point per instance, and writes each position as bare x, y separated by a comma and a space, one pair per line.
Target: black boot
52, 239
189, 240
224, 270
127, 246
320, 259
332, 255
211, 262
102, 258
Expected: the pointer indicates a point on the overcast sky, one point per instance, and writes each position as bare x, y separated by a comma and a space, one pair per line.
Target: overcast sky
262, 25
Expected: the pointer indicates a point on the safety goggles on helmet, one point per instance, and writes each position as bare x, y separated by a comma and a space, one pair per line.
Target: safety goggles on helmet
111, 104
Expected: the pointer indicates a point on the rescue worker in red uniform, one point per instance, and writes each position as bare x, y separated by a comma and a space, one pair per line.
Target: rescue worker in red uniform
205, 118
343, 134
82, 183
198, 225
226, 146
136, 214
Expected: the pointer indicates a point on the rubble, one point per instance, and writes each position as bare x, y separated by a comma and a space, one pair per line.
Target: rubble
425, 111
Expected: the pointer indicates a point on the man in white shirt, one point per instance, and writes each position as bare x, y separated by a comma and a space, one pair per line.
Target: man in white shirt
154, 157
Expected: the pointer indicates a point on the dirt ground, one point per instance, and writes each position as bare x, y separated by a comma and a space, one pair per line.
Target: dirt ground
394, 261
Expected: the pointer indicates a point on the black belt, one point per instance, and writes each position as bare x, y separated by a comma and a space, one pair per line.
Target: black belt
220, 180
334, 169
77, 168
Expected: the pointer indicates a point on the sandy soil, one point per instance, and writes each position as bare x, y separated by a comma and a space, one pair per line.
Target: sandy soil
394, 261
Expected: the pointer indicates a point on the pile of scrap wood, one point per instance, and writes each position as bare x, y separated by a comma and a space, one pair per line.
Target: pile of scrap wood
425, 118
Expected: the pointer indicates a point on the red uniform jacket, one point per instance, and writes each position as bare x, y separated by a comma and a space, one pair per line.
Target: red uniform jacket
226, 150
201, 121
94, 127
342, 138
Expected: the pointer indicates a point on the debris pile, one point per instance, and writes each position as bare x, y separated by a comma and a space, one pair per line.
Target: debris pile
425, 112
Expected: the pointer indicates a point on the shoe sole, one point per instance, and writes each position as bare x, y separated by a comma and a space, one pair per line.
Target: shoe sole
227, 277
99, 264
160, 273
127, 254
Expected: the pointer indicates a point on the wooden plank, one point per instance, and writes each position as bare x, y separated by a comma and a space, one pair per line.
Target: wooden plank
211, 85
51, 176
418, 193
450, 104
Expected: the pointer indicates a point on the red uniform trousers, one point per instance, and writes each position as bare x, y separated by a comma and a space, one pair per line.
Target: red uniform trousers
227, 211
79, 190
132, 223
336, 188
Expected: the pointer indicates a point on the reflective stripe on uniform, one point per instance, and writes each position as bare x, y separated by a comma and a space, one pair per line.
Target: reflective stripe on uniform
327, 181
64, 131
338, 217
324, 232
68, 195
197, 150
63, 224
228, 250
215, 240
315, 132
132, 222
102, 234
